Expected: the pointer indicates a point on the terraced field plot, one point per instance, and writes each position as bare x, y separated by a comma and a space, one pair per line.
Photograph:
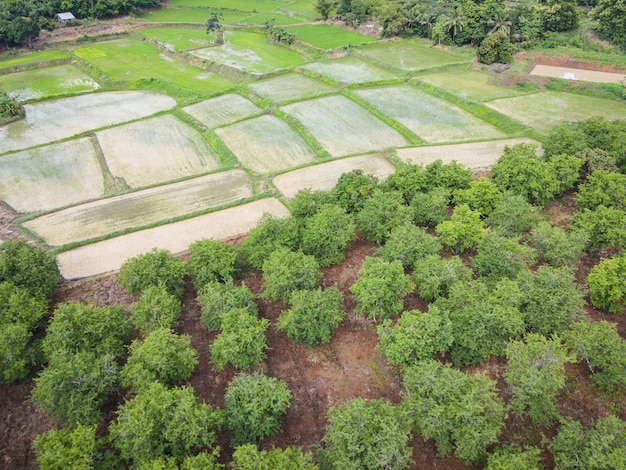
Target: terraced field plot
178, 39
290, 87
475, 155
50, 177
471, 84
188, 15
109, 255
34, 58
326, 36
58, 119
250, 52
342, 127
222, 110
545, 110
350, 70
266, 144
156, 150
99, 218
324, 176
130, 59
47, 83
409, 56
431, 118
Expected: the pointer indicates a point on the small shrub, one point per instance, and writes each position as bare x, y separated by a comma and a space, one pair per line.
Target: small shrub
601, 227
481, 195
431, 208
212, 260
270, 234
513, 216
249, 457
353, 189
607, 289
242, 341
286, 271
603, 188
498, 256
218, 299
463, 231
557, 247
28, 267
307, 202
152, 269
409, 244
326, 234
254, 406
509, 457
67, 448
157, 308
380, 214
435, 276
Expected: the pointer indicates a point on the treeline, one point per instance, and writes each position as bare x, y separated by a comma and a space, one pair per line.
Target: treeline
21, 21
473, 21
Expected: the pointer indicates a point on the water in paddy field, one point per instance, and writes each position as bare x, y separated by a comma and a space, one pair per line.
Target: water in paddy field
59, 119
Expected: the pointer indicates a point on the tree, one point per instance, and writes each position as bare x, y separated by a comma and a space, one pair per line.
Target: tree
455, 23
287, 271
326, 234
536, 373
559, 15
594, 160
313, 316
601, 347
151, 269
249, 457
557, 247
380, 290
242, 341
496, 47
161, 422
607, 288
353, 189
463, 231
439, 32
28, 267
67, 448
482, 195
431, 208
380, 214
603, 188
599, 447
510, 457
611, 20
254, 406
601, 227
409, 245
306, 203
218, 299
212, 260
435, 276
325, 8
214, 22
157, 308
551, 300
366, 435
513, 215
393, 17
498, 256
417, 336
163, 356
567, 170
270, 234
458, 411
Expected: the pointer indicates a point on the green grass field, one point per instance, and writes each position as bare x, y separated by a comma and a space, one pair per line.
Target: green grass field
222, 110
471, 84
188, 15
290, 87
251, 52
433, 119
47, 82
32, 59
130, 59
410, 56
349, 70
544, 110
178, 39
326, 36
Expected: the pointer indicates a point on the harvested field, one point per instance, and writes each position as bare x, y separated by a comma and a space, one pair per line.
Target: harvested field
55, 120
99, 218
290, 87
477, 155
545, 110
156, 150
350, 70
49, 177
431, 118
570, 73
324, 176
342, 127
46, 83
410, 56
266, 144
223, 110
109, 255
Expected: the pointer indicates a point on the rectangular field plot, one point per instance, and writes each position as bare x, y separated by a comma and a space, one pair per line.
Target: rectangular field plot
241, 5
49, 177
187, 15
156, 150
46, 83
290, 87
326, 36
222, 110
471, 84
544, 110
99, 218
324, 176
475, 155
34, 58
410, 56
109, 255
350, 70
431, 118
59, 119
250, 52
342, 127
178, 39
260, 19
131, 59
266, 144
569, 73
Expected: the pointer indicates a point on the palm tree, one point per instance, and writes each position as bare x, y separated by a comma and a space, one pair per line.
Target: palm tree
456, 23
500, 22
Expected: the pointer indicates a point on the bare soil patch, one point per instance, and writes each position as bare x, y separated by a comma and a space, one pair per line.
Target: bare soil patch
571, 73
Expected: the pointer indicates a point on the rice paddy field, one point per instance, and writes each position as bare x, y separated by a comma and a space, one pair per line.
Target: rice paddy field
132, 144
